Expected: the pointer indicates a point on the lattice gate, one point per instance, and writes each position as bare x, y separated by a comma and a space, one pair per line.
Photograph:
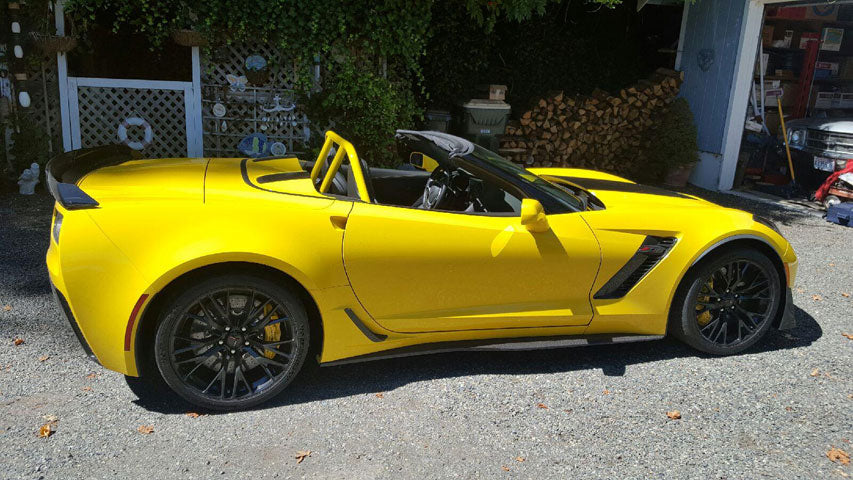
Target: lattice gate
156, 117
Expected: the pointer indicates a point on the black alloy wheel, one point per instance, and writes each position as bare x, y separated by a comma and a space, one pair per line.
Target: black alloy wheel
729, 303
232, 342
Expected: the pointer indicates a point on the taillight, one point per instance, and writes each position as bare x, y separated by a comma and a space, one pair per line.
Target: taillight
57, 225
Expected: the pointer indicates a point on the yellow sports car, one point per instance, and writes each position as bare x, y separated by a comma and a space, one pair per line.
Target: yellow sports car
222, 276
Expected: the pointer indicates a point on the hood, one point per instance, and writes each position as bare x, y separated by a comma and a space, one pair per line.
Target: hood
622, 194
837, 125
168, 178
618, 192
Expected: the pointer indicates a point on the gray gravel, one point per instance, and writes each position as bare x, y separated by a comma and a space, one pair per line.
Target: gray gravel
762, 414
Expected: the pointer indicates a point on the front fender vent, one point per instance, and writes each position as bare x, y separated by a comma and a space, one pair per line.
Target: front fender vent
647, 256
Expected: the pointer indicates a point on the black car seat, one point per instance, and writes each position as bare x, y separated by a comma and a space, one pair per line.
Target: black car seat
352, 188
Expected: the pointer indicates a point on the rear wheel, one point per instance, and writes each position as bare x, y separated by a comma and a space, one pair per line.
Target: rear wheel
232, 342
727, 304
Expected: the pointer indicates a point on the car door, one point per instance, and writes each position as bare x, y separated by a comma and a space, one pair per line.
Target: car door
418, 270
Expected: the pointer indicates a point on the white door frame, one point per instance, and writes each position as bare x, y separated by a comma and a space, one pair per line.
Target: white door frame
193, 127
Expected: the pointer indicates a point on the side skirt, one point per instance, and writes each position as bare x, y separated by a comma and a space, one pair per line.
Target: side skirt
498, 345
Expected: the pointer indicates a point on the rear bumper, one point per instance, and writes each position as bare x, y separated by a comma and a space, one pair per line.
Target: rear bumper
66, 311
787, 320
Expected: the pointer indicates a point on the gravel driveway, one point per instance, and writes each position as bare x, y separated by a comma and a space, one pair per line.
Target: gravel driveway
596, 412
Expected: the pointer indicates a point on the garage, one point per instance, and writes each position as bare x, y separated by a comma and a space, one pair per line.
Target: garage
793, 61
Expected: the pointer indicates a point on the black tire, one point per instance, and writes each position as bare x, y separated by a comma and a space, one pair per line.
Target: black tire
234, 352
724, 315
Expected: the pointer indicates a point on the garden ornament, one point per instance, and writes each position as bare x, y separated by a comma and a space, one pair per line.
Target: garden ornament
28, 180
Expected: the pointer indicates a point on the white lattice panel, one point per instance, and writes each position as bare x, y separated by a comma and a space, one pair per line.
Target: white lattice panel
103, 108
244, 108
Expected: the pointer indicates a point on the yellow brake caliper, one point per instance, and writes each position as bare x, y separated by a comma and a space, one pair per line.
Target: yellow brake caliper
705, 317
272, 333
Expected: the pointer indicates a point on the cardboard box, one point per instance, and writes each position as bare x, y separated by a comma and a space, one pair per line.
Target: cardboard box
825, 100
497, 92
788, 39
827, 13
826, 69
767, 35
831, 39
796, 13
807, 37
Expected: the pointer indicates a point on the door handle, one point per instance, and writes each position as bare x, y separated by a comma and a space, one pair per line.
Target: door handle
339, 222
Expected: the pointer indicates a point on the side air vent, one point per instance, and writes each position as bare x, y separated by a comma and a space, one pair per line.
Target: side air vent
647, 256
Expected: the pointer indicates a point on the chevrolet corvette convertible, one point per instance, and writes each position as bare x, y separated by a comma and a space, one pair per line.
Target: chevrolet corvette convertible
223, 276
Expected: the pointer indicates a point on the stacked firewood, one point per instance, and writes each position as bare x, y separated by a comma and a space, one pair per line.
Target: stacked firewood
601, 131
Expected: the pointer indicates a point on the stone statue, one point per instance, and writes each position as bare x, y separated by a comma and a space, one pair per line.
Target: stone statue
28, 180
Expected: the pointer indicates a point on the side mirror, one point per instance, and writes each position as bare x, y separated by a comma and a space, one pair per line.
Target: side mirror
416, 159
533, 216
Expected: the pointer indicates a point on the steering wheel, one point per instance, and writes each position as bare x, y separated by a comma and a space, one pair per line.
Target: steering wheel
436, 189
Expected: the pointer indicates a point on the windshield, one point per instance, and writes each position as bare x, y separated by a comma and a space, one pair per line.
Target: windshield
562, 195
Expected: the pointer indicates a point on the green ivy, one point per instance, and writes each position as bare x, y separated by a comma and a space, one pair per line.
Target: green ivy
372, 51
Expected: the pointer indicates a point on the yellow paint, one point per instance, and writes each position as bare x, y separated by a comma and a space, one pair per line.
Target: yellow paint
416, 276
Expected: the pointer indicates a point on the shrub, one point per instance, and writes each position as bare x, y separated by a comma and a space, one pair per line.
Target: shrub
672, 142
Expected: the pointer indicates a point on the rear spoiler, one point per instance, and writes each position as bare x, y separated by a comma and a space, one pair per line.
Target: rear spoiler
65, 170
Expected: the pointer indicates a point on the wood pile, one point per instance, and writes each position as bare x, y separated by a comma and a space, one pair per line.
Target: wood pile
601, 131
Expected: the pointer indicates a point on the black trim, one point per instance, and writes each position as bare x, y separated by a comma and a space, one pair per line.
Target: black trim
373, 337
66, 310
617, 186
277, 177
499, 344
329, 196
651, 251
787, 320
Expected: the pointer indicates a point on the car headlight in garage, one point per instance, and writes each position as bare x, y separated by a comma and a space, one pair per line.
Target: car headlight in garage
797, 137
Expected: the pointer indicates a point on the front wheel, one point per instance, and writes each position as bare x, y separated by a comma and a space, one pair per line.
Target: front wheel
232, 342
728, 303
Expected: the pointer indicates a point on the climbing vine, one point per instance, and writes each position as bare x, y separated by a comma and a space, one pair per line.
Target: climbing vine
371, 51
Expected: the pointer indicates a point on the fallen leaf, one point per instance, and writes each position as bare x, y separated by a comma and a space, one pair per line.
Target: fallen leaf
788, 409
46, 430
87, 389
145, 429
831, 264
845, 294
300, 455
17, 341
91, 375
674, 415
504, 468
606, 392
43, 358
380, 395
520, 459
849, 336
816, 297
7, 307
837, 455
193, 414
815, 372
542, 405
